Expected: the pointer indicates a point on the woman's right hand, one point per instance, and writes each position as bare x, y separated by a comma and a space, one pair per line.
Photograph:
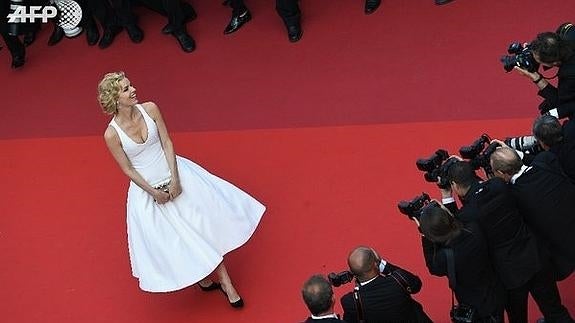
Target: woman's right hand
160, 196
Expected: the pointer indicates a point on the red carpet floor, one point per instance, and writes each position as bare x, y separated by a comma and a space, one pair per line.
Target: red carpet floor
325, 132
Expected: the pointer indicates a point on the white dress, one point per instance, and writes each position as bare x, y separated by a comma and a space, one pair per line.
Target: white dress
177, 244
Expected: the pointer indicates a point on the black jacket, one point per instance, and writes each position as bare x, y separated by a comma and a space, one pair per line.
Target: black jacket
386, 300
562, 97
565, 152
546, 199
477, 284
512, 247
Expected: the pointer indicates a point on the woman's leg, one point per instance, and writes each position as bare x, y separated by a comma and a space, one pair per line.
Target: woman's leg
226, 283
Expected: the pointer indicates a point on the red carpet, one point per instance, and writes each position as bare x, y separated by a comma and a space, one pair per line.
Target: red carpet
325, 132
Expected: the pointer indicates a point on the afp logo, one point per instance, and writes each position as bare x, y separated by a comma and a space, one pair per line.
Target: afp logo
68, 11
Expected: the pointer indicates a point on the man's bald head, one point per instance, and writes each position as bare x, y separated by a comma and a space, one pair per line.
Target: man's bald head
363, 263
506, 160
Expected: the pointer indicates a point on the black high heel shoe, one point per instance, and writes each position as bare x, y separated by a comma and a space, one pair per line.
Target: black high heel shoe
212, 286
237, 304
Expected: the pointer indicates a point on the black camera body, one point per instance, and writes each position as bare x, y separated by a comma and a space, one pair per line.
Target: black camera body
436, 167
520, 56
413, 208
462, 313
473, 150
341, 278
566, 31
478, 155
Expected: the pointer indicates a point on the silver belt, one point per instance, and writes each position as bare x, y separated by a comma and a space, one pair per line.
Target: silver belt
163, 187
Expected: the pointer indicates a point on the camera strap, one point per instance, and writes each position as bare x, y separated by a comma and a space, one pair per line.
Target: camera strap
450, 272
396, 275
358, 304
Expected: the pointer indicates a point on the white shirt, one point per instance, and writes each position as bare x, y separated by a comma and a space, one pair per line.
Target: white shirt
519, 173
328, 316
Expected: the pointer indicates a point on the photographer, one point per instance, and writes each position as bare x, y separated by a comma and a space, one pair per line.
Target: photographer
384, 291
318, 296
545, 200
512, 247
549, 134
553, 49
469, 269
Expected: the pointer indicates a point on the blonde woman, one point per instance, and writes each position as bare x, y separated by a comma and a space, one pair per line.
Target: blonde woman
181, 219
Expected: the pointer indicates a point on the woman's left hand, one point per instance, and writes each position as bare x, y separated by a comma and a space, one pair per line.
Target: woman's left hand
174, 189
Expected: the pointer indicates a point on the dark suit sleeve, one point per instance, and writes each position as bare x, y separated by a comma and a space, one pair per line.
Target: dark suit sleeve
567, 159
435, 260
563, 96
348, 305
410, 282
452, 207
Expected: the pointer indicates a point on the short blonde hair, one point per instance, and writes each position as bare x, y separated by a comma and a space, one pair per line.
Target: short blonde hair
109, 91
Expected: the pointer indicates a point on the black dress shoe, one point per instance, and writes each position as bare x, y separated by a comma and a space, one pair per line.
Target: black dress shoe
440, 2
186, 41
237, 22
109, 35
135, 33
371, 6
29, 38
237, 304
169, 29
56, 36
18, 61
212, 286
294, 33
92, 35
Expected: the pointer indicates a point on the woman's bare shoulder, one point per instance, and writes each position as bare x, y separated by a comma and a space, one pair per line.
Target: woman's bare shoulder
110, 134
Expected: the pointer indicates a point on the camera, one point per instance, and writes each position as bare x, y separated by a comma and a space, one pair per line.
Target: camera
526, 144
462, 313
413, 208
341, 278
478, 155
436, 167
433, 162
520, 56
473, 150
566, 31
522, 143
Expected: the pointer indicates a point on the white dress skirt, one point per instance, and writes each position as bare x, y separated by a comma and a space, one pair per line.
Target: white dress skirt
177, 244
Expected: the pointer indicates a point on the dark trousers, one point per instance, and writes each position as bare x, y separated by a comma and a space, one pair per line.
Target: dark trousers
544, 291
103, 11
13, 43
496, 317
289, 11
176, 11
123, 12
238, 7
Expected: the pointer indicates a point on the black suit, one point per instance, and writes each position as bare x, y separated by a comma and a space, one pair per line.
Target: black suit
512, 247
477, 284
562, 97
546, 200
565, 152
543, 194
385, 300
513, 250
